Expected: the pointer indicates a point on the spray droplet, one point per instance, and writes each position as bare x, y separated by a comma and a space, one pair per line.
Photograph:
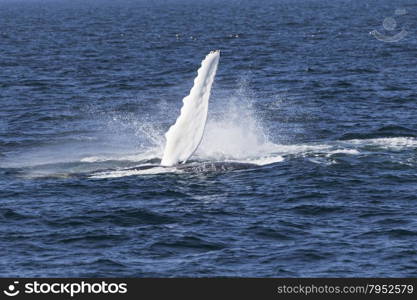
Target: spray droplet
400, 11
389, 23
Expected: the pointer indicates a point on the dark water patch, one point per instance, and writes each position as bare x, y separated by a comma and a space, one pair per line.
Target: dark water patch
119, 217
401, 233
376, 211
269, 233
60, 118
310, 255
188, 244
8, 214
317, 210
342, 84
382, 132
397, 130
402, 253
393, 221
95, 240
104, 263
360, 70
306, 196
131, 217
392, 234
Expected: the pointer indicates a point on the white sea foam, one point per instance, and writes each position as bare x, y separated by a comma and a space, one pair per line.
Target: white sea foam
393, 143
152, 153
262, 161
343, 151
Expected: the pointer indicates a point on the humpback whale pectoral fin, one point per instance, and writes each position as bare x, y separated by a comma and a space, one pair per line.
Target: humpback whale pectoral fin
184, 137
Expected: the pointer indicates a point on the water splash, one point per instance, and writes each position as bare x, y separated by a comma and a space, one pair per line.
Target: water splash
235, 133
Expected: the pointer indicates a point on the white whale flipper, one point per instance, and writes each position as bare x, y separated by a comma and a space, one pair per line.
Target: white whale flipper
184, 137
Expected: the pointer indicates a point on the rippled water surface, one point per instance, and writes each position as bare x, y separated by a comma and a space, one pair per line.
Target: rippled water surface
308, 166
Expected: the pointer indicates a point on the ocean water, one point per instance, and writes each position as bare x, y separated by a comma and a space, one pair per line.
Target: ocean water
308, 165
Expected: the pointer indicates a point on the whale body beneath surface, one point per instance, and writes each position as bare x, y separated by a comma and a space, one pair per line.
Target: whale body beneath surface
202, 167
184, 137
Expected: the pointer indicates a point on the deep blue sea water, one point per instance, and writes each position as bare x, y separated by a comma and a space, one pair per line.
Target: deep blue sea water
324, 112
